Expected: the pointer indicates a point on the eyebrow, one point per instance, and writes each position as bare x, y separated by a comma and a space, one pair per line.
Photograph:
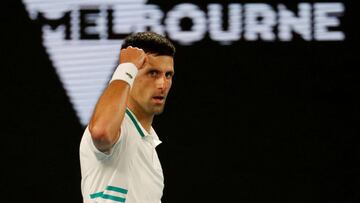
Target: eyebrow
156, 69
171, 71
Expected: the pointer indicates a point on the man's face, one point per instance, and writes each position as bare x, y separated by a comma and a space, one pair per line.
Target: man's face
152, 84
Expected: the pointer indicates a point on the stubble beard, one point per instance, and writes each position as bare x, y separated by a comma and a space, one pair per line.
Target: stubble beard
158, 109
153, 109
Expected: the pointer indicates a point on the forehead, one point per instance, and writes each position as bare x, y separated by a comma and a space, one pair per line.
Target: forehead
165, 63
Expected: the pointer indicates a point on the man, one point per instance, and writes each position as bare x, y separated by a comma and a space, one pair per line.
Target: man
118, 159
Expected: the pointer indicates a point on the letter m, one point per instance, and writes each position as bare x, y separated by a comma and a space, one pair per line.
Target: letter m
55, 23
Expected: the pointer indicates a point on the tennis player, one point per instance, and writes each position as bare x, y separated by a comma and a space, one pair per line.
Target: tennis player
118, 159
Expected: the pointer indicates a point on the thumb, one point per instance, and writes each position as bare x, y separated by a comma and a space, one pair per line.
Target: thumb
143, 60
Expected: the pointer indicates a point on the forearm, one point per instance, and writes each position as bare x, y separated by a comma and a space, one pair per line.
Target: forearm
105, 123
108, 115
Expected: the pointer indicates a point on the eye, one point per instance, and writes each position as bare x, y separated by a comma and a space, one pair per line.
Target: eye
153, 73
169, 75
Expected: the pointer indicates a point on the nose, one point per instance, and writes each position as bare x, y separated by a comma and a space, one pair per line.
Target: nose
161, 82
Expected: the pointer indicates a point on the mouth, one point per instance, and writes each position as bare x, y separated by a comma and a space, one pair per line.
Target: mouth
159, 99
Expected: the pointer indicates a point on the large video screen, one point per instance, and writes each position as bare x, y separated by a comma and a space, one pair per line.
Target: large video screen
263, 106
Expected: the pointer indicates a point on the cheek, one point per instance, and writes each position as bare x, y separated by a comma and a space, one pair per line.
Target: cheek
144, 89
169, 84
138, 88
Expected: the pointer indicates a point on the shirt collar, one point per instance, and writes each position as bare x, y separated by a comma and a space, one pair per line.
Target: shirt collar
152, 136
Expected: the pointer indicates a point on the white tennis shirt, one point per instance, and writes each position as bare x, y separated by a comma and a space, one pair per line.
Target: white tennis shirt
130, 173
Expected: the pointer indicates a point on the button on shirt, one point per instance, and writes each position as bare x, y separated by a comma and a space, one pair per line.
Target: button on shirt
131, 172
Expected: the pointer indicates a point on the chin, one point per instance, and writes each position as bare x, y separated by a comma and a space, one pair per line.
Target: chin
158, 110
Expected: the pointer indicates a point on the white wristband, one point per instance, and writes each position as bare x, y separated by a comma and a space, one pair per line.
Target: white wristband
126, 72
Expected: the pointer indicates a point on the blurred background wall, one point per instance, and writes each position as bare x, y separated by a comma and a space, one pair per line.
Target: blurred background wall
264, 105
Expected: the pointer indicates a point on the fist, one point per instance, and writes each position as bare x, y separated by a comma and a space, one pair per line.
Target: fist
133, 55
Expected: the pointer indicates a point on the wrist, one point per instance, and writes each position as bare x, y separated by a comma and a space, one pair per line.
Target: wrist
125, 72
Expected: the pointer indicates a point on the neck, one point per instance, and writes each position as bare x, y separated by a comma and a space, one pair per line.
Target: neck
144, 118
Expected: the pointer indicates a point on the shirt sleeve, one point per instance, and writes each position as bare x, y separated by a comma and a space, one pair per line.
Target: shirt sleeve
99, 154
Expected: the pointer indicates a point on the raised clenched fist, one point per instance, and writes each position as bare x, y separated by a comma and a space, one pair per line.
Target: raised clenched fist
133, 55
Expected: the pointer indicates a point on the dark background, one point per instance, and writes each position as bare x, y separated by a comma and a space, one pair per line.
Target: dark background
248, 122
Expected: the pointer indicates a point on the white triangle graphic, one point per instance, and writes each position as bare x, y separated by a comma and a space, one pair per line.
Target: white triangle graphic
85, 66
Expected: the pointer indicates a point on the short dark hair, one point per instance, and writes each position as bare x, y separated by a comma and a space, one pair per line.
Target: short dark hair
150, 42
